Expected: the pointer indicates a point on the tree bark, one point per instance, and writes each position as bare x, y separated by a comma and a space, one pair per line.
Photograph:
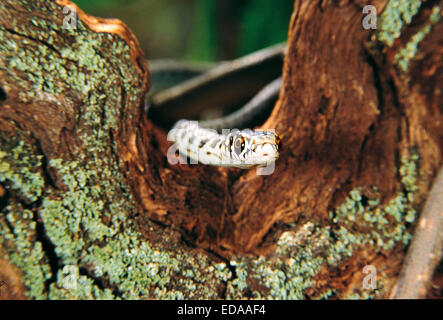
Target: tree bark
91, 208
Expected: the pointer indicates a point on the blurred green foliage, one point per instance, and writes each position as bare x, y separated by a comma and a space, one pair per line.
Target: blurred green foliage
202, 30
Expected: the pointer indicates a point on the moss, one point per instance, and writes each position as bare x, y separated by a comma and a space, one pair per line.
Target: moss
394, 17
403, 57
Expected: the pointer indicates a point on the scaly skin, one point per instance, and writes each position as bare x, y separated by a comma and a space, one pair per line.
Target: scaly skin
243, 149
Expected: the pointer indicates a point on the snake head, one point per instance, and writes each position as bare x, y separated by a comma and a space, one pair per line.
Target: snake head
249, 149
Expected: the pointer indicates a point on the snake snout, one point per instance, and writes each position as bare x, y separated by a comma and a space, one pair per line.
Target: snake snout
269, 151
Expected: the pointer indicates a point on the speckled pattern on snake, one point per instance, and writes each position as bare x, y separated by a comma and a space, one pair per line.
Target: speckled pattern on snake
242, 149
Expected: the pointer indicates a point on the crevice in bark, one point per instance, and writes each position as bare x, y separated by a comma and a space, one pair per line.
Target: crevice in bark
3, 95
417, 22
48, 45
48, 248
8, 224
100, 281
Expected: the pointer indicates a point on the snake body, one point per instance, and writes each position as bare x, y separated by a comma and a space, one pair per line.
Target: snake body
219, 86
242, 149
188, 91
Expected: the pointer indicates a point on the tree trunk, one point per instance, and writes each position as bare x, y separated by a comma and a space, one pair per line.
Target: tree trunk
91, 208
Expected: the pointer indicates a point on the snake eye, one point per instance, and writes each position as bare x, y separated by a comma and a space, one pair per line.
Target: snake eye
239, 145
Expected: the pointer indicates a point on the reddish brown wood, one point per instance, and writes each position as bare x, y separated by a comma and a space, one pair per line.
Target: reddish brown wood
346, 115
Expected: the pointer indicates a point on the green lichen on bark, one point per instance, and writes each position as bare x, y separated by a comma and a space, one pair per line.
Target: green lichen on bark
88, 221
19, 241
357, 222
21, 168
20, 173
115, 249
394, 17
56, 60
74, 223
404, 56
80, 237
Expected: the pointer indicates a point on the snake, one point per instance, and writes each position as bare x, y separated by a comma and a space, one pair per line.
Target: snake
242, 149
201, 141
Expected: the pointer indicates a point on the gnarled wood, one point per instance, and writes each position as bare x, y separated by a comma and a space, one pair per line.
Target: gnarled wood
348, 116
